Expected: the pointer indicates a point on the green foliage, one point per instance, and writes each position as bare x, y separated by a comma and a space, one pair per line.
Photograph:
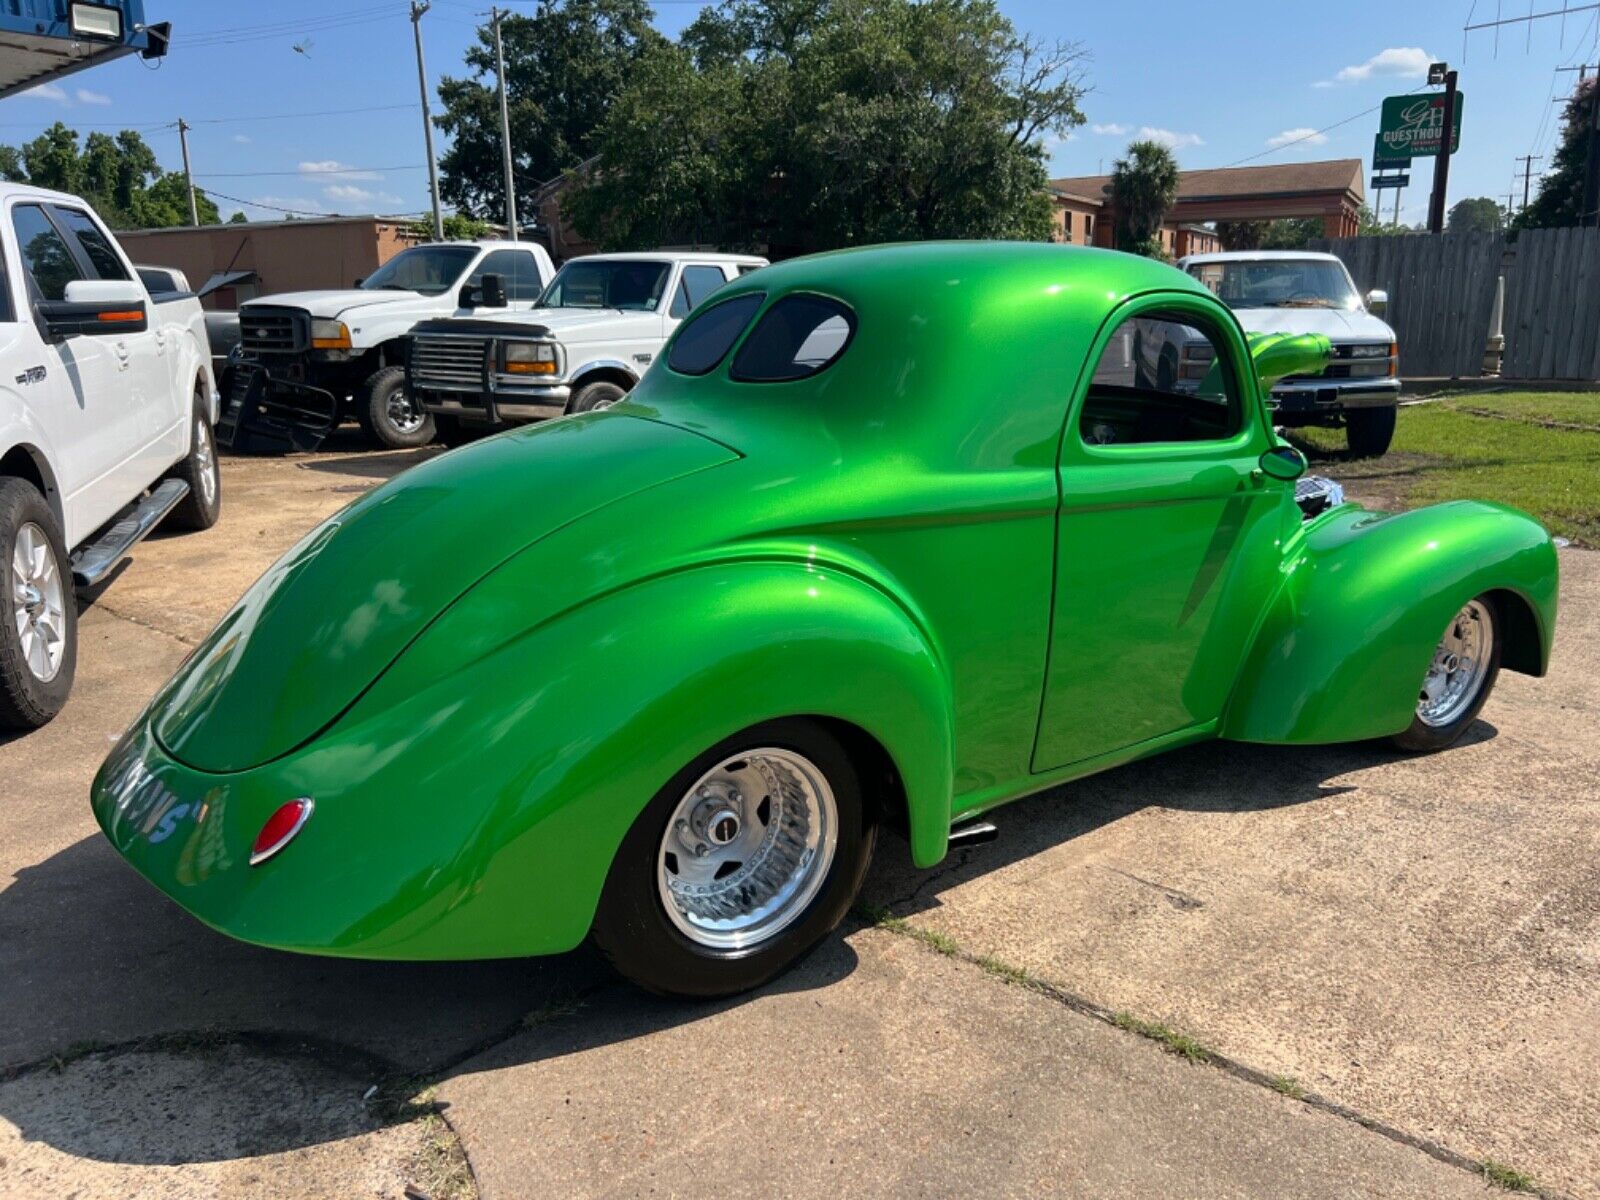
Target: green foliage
238, 218
118, 175
457, 227
1560, 198
565, 64
1477, 215
1144, 186
804, 125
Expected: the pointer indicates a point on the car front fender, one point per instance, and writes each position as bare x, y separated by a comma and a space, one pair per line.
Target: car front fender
1364, 598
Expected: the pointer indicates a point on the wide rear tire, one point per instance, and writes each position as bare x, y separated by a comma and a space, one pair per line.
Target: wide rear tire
726, 935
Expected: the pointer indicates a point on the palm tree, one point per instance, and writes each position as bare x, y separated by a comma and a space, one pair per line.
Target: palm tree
1143, 187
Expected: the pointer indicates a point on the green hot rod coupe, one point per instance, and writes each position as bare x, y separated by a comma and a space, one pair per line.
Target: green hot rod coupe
887, 537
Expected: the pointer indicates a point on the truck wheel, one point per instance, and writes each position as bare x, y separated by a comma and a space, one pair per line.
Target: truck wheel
390, 415
1459, 679
38, 612
743, 862
1368, 431
597, 395
201, 471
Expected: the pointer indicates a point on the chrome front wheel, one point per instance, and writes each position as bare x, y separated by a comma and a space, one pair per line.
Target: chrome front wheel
1458, 679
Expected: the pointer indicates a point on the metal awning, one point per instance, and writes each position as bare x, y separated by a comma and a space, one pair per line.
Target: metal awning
45, 40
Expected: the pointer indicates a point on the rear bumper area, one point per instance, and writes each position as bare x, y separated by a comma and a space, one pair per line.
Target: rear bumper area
267, 414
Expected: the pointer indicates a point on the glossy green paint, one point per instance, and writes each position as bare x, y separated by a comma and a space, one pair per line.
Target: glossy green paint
484, 669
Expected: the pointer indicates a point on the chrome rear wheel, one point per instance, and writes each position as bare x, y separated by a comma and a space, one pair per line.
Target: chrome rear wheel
38, 603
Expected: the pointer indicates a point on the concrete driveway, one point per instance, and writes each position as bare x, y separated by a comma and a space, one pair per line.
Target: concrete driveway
1233, 971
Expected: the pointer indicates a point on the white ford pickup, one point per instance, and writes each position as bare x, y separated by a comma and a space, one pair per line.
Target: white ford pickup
307, 360
107, 405
583, 346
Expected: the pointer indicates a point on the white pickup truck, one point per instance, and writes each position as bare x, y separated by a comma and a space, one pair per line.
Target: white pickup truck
107, 405
307, 360
583, 346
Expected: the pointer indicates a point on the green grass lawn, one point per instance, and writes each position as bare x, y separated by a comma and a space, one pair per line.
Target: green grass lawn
1498, 446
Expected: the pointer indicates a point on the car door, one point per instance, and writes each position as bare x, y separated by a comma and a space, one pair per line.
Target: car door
146, 362
1166, 538
94, 428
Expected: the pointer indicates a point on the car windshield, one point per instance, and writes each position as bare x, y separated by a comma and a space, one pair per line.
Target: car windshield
430, 270
632, 285
1279, 283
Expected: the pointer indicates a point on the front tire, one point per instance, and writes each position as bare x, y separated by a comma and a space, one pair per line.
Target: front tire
202, 472
594, 396
392, 418
741, 864
1459, 679
38, 612
1368, 431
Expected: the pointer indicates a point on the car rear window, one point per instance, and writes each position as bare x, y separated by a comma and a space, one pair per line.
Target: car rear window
704, 340
798, 337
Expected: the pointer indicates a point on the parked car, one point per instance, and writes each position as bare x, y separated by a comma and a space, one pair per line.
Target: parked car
583, 346
885, 537
105, 430
1294, 291
309, 360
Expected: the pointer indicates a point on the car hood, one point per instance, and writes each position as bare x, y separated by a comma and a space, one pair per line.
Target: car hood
329, 617
338, 301
1337, 325
571, 325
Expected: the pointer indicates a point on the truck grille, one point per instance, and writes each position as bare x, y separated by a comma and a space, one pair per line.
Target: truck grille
450, 362
274, 330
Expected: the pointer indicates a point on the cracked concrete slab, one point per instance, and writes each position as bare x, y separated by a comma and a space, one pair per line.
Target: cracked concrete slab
1417, 937
880, 1068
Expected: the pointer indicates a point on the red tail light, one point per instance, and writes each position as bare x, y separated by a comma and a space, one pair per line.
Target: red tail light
280, 829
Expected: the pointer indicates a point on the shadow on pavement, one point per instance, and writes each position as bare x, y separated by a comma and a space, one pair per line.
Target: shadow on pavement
88, 951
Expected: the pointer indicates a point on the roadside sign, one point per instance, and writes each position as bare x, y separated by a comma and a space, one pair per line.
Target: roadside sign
1413, 126
1383, 159
1379, 182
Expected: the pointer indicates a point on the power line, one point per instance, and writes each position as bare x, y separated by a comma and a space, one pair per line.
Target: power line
319, 173
1315, 133
302, 212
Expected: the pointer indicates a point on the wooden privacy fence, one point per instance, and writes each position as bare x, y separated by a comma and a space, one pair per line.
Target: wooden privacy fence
1552, 322
1441, 293
1441, 296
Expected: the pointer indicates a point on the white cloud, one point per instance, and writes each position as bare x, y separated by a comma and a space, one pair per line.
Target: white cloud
351, 194
1304, 136
1169, 139
1110, 129
1397, 62
241, 139
298, 203
47, 91
85, 96
332, 166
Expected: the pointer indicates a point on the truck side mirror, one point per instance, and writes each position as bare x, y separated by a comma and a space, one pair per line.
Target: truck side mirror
492, 291
357, 283
95, 307
1377, 302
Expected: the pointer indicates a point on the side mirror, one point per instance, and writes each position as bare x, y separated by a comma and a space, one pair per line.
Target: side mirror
95, 307
357, 283
1283, 462
1377, 302
492, 291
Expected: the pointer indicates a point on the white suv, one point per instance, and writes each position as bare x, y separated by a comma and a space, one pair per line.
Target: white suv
583, 346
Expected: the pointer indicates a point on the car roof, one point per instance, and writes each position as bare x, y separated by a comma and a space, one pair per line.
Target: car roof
673, 256
1260, 256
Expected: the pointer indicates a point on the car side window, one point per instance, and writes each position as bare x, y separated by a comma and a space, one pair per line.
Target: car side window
518, 271
46, 260
799, 336
704, 342
1161, 379
694, 288
93, 241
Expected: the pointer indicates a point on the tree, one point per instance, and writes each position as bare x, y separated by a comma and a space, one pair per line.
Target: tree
1560, 198
565, 65
803, 125
457, 227
1144, 186
238, 218
119, 176
1479, 215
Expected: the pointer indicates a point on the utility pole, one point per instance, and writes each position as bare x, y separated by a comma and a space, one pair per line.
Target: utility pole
505, 129
418, 7
1441, 73
188, 175
1527, 161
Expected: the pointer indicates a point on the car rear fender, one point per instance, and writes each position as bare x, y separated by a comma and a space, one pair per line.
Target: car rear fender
561, 736
1365, 596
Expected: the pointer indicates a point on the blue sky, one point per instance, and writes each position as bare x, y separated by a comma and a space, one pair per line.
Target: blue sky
1220, 83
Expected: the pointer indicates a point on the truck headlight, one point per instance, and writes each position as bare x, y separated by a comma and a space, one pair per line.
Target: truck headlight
529, 358
1377, 350
329, 335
